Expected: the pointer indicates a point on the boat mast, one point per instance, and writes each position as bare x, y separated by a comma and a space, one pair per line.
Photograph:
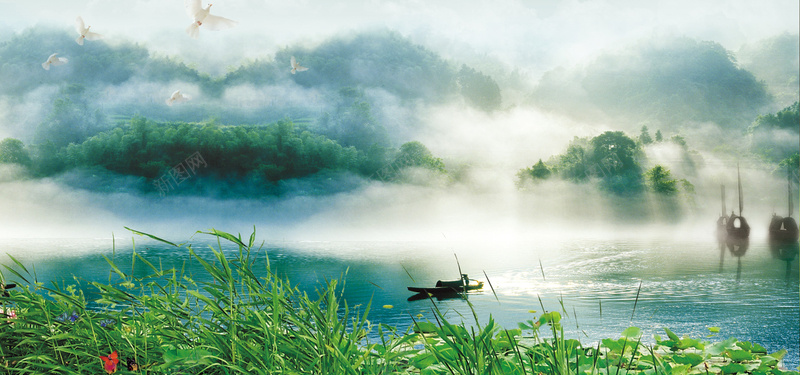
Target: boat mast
739, 177
789, 188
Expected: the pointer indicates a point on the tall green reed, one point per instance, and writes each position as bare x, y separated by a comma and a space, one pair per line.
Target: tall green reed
238, 317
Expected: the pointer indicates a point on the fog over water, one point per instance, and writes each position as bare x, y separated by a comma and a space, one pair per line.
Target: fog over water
488, 88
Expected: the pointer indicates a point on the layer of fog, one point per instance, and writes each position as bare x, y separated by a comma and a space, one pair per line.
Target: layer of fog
490, 148
482, 204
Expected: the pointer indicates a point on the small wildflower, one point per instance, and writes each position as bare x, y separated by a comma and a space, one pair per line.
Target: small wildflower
9, 313
107, 323
71, 317
110, 362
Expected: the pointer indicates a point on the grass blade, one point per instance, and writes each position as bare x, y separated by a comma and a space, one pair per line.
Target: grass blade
151, 236
637, 299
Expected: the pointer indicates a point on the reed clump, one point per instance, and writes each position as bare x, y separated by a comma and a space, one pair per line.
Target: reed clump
164, 321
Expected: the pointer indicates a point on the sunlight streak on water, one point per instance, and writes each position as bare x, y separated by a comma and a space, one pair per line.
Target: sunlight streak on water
685, 285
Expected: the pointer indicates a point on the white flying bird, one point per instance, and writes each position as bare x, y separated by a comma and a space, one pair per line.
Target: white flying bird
296, 67
201, 17
84, 31
177, 97
54, 60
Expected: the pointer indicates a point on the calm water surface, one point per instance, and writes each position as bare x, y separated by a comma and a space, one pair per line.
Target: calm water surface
686, 286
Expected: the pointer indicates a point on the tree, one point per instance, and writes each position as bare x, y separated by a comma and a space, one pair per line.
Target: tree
614, 151
787, 118
12, 151
679, 140
644, 137
659, 179
659, 136
480, 90
71, 120
613, 157
415, 154
540, 171
352, 123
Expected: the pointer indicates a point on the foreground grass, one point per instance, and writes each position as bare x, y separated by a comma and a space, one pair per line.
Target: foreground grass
168, 323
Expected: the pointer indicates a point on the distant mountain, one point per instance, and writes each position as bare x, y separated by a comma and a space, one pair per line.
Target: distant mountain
354, 75
667, 82
776, 61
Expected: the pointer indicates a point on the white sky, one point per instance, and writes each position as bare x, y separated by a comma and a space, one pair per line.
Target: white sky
531, 34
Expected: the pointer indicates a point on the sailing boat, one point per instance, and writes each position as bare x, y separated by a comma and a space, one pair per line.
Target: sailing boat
784, 229
737, 226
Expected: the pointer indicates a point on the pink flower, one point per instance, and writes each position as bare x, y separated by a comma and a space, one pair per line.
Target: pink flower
9, 313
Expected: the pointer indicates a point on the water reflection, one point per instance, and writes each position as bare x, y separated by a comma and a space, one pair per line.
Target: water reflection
738, 247
785, 251
682, 289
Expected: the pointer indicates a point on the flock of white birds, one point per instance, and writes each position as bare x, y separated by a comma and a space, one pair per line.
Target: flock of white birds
200, 17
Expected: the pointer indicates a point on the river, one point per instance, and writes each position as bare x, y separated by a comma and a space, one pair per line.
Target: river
686, 285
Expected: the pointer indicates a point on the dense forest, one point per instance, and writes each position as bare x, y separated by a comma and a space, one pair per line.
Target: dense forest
616, 159
257, 156
357, 109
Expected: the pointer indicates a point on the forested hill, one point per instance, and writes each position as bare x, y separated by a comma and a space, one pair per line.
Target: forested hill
350, 82
381, 60
668, 82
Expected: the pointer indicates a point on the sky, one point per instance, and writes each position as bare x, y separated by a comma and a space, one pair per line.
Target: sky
534, 35
531, 36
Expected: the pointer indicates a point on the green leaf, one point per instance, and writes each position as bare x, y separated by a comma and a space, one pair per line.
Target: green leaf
252, 237
779, 354
423, 360
632, 333
151, 236
187, 357
733, 368
671, 335
691, 359
739, 355
552, 317
750, 347
424, 327
226, 236
713, 329
613, 345
720, 347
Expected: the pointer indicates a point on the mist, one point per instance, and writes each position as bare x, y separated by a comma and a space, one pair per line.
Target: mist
557, 67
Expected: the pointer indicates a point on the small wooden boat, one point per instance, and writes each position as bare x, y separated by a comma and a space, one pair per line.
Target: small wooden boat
784, 229
449, 287
737, 226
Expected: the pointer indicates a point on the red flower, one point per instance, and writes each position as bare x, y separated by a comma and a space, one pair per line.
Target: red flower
110, 362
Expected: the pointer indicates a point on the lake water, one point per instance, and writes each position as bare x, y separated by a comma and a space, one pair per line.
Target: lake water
686, 286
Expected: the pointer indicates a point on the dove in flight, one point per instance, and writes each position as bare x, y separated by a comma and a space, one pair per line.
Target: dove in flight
84, 32
296, 67
201, 17
177, 97
54, 60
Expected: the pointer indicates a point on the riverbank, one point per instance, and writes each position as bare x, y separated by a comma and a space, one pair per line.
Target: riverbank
163, 321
